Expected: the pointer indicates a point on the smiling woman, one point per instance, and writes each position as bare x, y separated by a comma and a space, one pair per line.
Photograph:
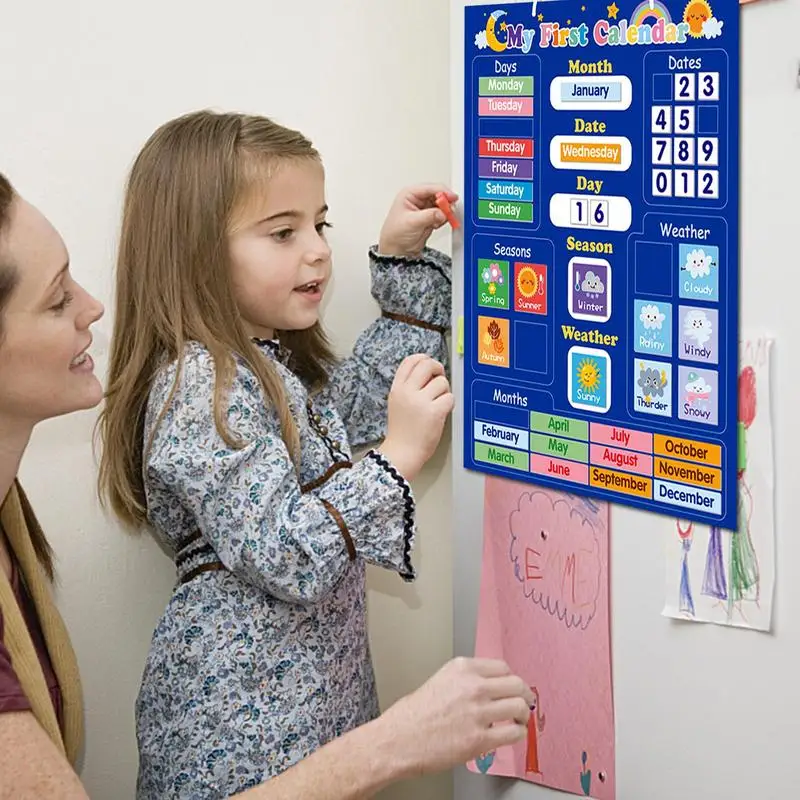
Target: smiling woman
46, 321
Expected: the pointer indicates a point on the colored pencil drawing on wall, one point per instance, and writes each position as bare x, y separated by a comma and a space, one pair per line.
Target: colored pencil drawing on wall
544, 610
728, 577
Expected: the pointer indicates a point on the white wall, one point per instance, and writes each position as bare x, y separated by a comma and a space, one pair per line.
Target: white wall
83, 85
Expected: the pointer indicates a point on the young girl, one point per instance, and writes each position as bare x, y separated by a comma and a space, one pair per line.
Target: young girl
229, 428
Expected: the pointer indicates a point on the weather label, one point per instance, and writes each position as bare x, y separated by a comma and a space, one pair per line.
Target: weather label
601, 250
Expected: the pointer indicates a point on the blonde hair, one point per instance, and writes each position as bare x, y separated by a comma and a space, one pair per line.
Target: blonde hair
173, 285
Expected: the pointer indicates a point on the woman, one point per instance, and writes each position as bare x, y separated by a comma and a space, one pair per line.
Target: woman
467, 708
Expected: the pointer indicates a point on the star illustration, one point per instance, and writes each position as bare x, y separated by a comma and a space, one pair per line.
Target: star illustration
569, 22
541, 17
503, 26
613, 11
583, 8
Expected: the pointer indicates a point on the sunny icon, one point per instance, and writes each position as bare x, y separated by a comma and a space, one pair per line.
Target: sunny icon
589, 375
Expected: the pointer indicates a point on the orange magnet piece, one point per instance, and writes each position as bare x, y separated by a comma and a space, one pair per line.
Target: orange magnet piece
444, 207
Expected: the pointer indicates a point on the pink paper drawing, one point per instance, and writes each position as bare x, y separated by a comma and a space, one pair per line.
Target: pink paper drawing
544, 609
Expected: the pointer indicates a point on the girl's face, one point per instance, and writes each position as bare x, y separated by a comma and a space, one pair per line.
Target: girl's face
45, 369
280, 259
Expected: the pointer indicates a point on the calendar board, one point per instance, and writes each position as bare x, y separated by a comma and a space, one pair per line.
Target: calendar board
601, 226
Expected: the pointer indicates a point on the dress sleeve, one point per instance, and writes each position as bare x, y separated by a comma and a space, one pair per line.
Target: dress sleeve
415, 300
248, 504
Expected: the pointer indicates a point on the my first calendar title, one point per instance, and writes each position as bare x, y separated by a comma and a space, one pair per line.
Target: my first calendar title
698, 22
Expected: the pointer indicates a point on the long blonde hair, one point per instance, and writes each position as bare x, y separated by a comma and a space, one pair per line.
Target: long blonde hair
173, 285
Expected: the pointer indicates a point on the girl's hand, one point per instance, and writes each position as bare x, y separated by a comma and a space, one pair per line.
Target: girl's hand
411, 220
419, 402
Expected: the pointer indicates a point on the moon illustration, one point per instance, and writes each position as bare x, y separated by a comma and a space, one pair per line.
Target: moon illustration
491, 36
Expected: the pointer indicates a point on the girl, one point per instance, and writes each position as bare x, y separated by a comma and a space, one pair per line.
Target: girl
229, 428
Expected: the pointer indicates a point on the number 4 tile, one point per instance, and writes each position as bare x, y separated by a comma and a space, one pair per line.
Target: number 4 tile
662, 119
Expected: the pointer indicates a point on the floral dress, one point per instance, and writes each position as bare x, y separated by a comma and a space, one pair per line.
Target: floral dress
262, 656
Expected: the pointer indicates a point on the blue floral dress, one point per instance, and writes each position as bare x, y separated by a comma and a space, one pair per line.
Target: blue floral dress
262, 656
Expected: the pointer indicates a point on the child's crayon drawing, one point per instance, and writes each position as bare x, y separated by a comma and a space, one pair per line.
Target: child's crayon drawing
544, 610
735, 569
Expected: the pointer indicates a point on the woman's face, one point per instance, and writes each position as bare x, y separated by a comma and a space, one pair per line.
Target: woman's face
45, 369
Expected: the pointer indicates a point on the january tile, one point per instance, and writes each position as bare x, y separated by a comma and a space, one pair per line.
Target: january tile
698, 334
698, 395
652, 387
699, 272
652, 327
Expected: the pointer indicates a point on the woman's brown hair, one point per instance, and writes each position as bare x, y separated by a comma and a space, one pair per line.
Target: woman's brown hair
8, 273
9, 276
173, 285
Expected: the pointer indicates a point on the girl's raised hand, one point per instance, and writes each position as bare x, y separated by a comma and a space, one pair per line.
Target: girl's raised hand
419, 402
411, 220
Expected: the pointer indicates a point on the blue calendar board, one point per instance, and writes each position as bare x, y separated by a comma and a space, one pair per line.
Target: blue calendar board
601, 226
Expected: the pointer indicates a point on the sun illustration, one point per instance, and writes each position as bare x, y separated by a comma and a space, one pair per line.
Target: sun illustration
527, 282
589, 375
697, 13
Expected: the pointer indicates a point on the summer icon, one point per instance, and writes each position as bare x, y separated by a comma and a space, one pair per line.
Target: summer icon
527, 282
530, 288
